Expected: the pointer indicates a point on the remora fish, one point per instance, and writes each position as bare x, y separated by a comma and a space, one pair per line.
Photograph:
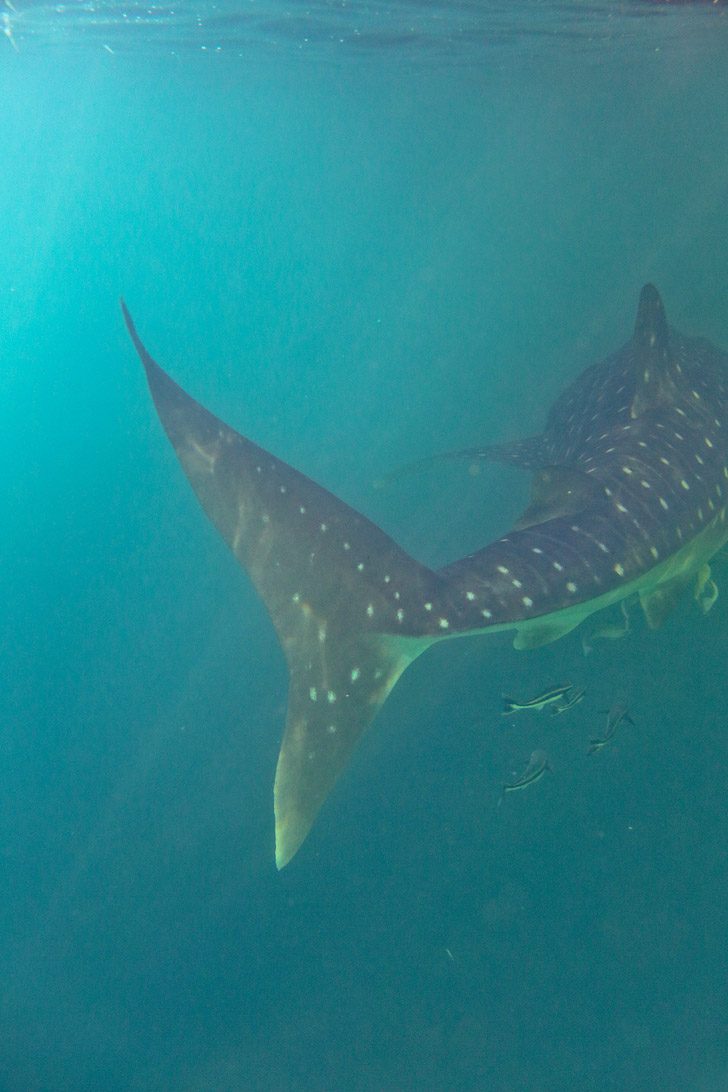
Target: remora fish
628, 497
706, 590
615, 716
537, 766
572, 698
612, 631
546, 697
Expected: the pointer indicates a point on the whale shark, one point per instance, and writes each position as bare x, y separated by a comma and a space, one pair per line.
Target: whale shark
629, 485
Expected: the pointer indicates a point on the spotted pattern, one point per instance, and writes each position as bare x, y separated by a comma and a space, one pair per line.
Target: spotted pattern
650, 480
654, 479
642, 437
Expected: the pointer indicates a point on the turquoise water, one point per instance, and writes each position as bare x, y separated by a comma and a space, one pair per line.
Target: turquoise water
358, 257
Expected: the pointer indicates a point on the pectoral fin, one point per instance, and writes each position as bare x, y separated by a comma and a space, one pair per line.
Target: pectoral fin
529, 454
556, 491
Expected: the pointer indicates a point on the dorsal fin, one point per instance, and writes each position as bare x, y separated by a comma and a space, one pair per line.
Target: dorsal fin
339, 591
556, 491
654, 365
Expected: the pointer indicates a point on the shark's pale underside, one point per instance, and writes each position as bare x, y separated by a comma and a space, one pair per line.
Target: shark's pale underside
628, 496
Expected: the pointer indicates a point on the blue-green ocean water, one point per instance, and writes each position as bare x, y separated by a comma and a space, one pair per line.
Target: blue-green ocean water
358, 257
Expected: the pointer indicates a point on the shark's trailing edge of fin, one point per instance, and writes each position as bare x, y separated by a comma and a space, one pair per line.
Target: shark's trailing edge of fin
337, 588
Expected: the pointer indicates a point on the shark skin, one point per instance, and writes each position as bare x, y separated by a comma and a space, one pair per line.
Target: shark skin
628, 497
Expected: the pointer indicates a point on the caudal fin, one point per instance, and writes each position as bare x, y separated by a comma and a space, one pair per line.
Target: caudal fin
346, 601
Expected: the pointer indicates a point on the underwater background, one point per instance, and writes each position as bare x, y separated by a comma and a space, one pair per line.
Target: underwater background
362, 236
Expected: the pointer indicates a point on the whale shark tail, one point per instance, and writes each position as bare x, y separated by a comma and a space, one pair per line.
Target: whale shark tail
346, 601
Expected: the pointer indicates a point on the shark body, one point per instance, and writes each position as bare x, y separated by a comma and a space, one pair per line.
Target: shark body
628, 496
